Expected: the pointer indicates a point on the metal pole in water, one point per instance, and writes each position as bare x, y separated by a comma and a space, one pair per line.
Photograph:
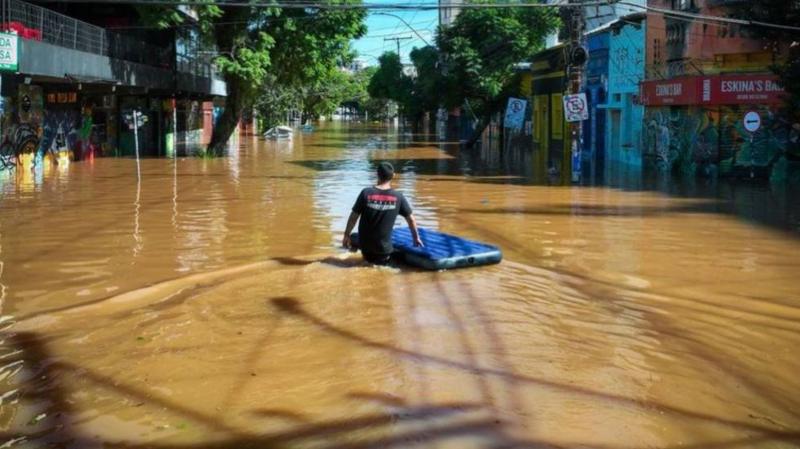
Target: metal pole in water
136, 236
136, 139
575, 63
174, 129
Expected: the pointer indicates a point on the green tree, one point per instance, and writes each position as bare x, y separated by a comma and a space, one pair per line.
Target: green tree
274, 102
308, 56
357, 95
325, 94
480, 49
414, 94
390, 83
428, 83
784, 43
267, 48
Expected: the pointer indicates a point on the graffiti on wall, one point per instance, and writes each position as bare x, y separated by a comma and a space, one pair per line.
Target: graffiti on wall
31, 133
683, 139
21, 126
20, 141
60, 135
759, 152
91, 135
711, 141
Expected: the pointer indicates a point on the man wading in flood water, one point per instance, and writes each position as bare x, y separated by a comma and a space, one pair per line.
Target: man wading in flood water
378, 208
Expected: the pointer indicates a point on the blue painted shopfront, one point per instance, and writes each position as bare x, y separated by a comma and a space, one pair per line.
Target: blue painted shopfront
624, 113
593, 148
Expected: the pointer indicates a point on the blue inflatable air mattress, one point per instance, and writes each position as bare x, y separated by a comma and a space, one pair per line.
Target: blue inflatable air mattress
441, 251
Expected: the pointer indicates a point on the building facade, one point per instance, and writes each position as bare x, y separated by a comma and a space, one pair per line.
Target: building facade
549, 129
623, 108
595, 84
703, 80
82, 72
448, 11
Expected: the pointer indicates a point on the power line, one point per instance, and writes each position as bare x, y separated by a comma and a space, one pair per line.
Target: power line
247, 22
406, 24
401, 33
429, 6
688, 15
424, 22
397, 41
324, 6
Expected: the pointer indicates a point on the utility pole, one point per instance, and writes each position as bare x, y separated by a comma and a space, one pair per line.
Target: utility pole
397, 40
576, 60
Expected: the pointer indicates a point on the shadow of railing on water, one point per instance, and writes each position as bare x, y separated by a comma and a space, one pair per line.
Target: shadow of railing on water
44, 372
293, 307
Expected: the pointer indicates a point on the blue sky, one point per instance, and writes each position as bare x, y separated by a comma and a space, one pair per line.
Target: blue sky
380, 27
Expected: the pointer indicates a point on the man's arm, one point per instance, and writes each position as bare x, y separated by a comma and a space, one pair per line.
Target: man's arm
351, 223
412, 224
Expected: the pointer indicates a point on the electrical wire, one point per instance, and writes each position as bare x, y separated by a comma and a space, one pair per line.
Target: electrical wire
429, 6
324, 6
406, 24
688, 15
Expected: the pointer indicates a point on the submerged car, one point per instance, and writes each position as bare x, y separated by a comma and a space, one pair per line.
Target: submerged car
279, 133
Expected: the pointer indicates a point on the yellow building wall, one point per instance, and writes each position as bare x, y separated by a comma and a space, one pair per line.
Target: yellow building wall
557, 120
526, 85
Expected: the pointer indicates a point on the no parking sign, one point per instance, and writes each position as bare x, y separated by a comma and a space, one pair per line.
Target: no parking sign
576, 108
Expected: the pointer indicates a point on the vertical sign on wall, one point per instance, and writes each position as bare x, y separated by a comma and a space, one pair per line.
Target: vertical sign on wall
515, 113
8, 52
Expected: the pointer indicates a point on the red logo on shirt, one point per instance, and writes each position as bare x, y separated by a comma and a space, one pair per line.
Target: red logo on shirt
381, 202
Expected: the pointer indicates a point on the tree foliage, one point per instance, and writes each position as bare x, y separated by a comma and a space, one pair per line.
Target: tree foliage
474, 62
268, 49
358, 98
389, 82
480, 49
428, 84
415, 94
783, 42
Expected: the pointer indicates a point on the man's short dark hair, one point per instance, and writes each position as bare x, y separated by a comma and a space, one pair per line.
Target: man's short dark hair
385, 172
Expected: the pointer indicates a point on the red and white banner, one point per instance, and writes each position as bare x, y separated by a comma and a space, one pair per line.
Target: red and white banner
712, 90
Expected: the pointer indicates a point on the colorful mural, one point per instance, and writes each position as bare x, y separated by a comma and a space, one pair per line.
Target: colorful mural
21, 126
682, 139
60, 135
711, 141
33, 132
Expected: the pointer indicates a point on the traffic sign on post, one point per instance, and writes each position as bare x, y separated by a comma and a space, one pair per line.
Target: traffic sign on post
752, 121
576, 108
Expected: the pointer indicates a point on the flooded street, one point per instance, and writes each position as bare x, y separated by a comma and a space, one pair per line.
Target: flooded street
208, 305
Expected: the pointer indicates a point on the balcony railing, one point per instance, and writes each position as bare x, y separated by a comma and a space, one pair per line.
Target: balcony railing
64, 31
54, 28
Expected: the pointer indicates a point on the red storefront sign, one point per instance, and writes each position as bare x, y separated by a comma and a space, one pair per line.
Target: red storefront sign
746, 90
712, 90
672, 92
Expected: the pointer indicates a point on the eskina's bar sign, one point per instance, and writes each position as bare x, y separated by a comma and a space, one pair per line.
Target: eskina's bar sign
712, 90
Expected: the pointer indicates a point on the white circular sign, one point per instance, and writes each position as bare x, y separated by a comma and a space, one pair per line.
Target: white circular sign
575, 104
752, 121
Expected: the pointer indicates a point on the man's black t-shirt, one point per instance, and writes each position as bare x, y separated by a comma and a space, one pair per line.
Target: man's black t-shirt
379, 209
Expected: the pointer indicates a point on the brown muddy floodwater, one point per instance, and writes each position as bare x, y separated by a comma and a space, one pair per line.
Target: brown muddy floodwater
208, 306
